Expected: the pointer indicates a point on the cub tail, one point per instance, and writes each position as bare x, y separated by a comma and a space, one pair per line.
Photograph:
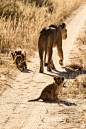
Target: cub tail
34, 99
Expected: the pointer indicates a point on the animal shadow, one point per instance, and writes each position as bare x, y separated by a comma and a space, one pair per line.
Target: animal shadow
68, 73
26, 71
63, 102
68, 103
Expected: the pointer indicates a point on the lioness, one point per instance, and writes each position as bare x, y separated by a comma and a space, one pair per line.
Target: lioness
19, 58
49, 38
50, 92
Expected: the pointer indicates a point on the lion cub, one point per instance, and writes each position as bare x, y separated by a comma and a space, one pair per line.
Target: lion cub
19, 58
50, 92
20, 62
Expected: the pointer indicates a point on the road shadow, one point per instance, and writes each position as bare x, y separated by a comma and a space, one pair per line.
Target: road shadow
61, 102
57, 73
68, 73
26, 71
68, 103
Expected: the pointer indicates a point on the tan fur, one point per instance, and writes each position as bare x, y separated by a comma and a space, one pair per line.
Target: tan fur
20, 62
50, 92
48, 39
19, 58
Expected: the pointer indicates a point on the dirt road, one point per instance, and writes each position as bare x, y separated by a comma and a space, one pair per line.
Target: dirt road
17, 113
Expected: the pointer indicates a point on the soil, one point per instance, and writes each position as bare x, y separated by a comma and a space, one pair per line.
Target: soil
17, 87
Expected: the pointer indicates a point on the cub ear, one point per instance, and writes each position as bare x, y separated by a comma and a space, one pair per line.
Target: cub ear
63, 78
63, 25
11, 53
54, 78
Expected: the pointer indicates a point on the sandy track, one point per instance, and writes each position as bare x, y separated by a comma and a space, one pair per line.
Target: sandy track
17, 113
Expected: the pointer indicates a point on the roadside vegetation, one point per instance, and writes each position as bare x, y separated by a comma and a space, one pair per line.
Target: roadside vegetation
22, 20
77, 67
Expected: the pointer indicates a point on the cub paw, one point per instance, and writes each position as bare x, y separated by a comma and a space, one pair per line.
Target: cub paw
61, 62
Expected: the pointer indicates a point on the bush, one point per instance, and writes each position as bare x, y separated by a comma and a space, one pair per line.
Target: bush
10, 11
46, 3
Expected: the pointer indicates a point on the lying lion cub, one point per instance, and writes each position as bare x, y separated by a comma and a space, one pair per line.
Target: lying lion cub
20, 62
19, 58
50, 92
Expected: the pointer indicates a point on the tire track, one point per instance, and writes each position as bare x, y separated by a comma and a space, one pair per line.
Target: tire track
16, 112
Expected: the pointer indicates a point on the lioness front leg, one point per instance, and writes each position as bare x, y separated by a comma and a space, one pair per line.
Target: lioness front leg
60, 54
52, 64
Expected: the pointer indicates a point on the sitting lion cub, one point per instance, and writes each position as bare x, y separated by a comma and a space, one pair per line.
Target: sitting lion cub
50, 92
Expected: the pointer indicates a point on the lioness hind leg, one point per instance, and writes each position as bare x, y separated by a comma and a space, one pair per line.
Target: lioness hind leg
41, 62
41, 66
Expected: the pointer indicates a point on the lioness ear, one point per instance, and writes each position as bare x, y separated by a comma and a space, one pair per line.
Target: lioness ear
63, 25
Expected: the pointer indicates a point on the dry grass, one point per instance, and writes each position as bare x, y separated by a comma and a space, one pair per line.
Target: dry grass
77, 81
78, 54
21, 23
75, 88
